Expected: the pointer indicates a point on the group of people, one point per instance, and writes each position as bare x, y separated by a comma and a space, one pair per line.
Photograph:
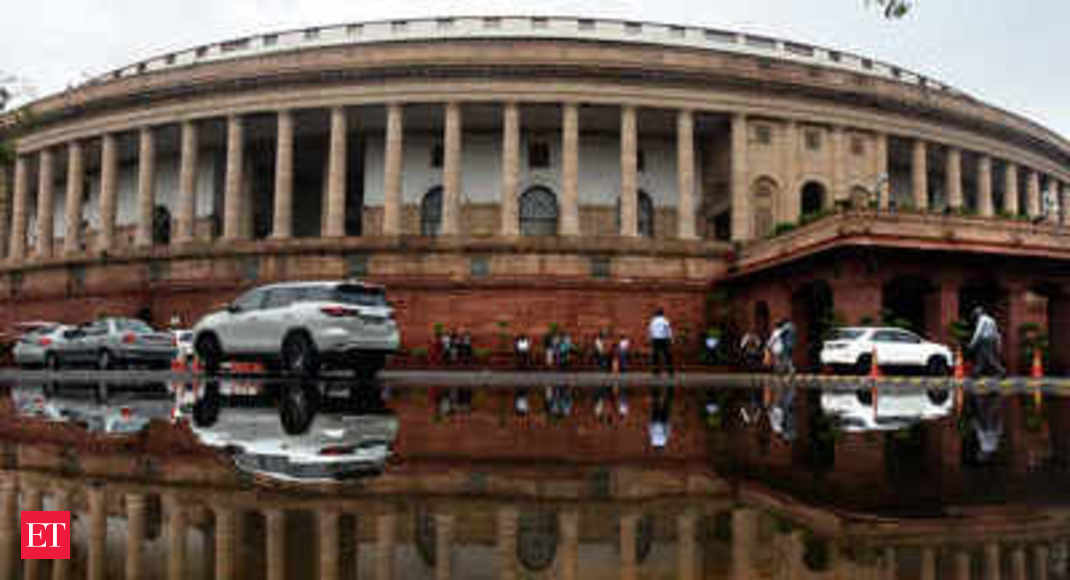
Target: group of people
560, 351
456, 347
777, 351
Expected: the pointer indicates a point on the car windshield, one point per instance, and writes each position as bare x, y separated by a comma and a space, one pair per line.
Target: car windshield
132, 325
348, 294
846, 334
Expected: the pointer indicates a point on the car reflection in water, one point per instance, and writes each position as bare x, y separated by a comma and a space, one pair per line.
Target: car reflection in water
890, 410
96, 406
293, 431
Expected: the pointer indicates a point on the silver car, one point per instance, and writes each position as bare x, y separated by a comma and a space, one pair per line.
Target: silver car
110, 342
302, 325
39, 346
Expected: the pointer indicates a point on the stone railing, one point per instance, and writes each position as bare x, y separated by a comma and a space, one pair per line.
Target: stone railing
910, 229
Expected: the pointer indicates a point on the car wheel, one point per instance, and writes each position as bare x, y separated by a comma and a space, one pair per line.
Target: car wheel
52, 361
299, 355
863, 365
297, 408
105, 361
937, 366
210, 353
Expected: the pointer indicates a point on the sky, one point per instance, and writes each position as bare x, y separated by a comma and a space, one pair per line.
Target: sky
1009, 54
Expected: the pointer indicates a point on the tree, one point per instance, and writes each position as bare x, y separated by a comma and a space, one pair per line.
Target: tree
893, 9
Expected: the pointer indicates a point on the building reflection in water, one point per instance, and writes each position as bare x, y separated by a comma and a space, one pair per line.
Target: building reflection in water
286, 480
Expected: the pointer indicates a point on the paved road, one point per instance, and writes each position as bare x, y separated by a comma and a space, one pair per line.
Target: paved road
513, 379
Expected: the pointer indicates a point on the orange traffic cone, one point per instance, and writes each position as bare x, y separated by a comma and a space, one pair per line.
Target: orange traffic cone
874, 370
1038, 399
960, 370
1038, 365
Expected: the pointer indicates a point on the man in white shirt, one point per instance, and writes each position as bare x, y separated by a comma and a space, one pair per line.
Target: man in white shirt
985, 345
661, 341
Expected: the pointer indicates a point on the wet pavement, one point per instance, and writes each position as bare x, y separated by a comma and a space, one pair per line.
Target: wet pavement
513, 476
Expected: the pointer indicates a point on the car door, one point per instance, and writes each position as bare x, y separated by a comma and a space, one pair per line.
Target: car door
275, 318
887, 347
911, 349
238, 333
92, 340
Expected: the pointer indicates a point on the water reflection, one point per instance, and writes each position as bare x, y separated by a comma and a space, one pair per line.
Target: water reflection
229, 479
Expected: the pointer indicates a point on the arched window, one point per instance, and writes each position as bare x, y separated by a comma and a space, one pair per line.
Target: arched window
645, 218
538, 212
431, 212
813, 197
536, 539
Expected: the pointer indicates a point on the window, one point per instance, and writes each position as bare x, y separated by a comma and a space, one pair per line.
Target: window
431, 212
479, 267
538, 212
445, 23
538, 155
355, 294
271, 39
640, 161
492, 22
858, 146
846, 334
600, 267
251, 300
906, 337
312, 34
645, 218
763, 134
633, 27
398, 26
436, 156
813, 139
677, 31
281, 297
585, 24
540, 22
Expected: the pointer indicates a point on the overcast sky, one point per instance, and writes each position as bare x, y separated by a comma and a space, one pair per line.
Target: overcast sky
1011, 54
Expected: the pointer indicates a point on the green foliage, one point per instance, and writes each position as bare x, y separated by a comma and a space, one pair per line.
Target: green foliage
888, 318
892, 9
1031, 337
1004, 214
713, 332
960, 331
554, 328
814, 216
419, 352
439, 328
867, 320
783, 227
832, 321
482, 354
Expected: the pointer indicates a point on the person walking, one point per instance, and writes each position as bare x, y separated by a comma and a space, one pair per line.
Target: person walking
984, 345
782, 347
750, 348
661, 341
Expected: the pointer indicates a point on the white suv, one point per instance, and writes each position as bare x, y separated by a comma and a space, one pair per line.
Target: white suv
852, 349
302, 326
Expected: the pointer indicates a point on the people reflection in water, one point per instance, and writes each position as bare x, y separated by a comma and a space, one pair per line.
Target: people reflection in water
984, 420
660, 410
452, 401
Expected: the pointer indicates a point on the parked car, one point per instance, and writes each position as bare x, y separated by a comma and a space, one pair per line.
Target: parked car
851, 349
110, 342
37, 347
895, 410
184, 343
302, 326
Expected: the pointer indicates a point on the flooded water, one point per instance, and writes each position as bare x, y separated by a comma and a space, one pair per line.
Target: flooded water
250, 478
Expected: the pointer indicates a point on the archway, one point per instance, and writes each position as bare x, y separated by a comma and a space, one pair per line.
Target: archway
813, 315
763, 193
538, 212
431, 212
812, 198
903, 303
161, 226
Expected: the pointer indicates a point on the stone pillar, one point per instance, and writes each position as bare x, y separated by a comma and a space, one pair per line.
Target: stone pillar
920, 176
225, 525
953, 177
507, 528
109, 190
276, 544
985, 206
385, 539
61, 568
740, 202
685, 175
187, 185
685, 546
1032, 192
328, 533
282, 220
336, 175
569, 522
629, 523
75, 190
176, 537
510, 169
18, 211
839, 166
1010, 189
232, 184
1018, 567
1040, 562
9, 522
5, 206
443, 546
146, 186
136, 508
744, 530
629, 188
570, 169
891, 567
45, 203
962, 565
881, 170
787, 206
392, 165
451, 171
928, 563
98, 531
991, 561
